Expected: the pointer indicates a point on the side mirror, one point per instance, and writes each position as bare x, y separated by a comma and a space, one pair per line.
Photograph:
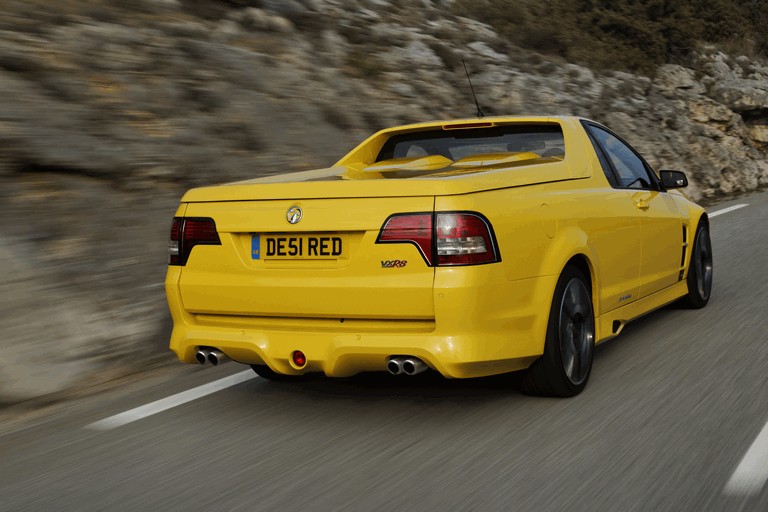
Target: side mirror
673, 179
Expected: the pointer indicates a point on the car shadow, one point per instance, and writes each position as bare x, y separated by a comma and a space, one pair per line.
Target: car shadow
428, 386
431, 386
634, 330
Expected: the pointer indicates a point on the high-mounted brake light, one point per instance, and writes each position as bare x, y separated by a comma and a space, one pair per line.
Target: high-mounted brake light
445, 238
463, 126
186, 233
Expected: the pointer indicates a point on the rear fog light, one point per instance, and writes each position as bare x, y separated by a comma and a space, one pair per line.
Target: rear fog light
299, 359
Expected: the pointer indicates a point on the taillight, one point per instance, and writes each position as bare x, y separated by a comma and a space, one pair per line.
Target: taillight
464, 239
174, 254
445, 238
187, 232
409, 228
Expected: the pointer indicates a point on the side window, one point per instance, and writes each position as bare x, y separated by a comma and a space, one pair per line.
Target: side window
603, 161
629, 167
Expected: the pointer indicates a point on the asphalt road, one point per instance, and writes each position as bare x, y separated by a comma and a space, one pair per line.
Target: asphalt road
674, 405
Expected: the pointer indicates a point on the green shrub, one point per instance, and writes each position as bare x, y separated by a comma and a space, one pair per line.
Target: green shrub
633, 35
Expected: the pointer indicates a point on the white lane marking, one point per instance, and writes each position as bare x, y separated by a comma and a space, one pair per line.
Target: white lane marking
726, 210
170, 402
752, 472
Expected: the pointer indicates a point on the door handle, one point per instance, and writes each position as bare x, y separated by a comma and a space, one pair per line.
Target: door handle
643, 205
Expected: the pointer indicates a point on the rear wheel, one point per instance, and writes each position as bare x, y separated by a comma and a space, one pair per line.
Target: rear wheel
700, 270
564, 368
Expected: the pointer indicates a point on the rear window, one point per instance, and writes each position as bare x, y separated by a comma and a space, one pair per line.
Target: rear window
542, 139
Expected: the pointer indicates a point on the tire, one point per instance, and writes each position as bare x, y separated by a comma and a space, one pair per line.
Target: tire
265, 372
700, 269
563, 370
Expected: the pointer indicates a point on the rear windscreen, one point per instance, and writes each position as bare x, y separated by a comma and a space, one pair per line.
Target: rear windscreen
542, 139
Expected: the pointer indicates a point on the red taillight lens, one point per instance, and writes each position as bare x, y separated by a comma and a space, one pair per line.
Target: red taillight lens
174, 245
457, 238
186, 233
411, 228
464, 239
200, 231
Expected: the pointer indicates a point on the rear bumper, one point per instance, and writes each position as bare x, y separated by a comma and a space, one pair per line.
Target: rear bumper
483, 325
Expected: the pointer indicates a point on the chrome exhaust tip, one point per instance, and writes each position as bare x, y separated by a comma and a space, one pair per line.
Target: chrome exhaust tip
395, 365
216, 357
201, 356
413, 366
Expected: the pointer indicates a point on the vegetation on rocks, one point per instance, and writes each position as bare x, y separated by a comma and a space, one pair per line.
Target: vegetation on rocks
110, 110
626, 35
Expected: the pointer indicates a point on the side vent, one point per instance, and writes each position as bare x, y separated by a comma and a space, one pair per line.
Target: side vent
685, 249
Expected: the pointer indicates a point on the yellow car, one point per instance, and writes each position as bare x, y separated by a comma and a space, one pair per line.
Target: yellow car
470, 247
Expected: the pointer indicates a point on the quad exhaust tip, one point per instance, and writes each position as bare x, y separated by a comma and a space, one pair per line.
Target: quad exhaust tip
413, 365
408, 365
210, 355
216, 357
201, 356
395, 366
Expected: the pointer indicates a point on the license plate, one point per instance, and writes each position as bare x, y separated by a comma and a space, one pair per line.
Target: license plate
298, 247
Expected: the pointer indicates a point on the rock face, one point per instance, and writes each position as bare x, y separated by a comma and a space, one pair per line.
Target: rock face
108, 113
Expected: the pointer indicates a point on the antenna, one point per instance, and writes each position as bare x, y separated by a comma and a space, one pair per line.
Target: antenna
479, 111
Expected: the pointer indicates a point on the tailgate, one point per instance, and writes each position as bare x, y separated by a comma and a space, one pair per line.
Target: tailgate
327, 265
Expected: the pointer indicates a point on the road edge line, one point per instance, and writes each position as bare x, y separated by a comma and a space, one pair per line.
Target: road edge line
752, 472
726, 210
158, 406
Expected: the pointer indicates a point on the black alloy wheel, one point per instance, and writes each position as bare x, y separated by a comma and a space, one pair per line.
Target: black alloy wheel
577, 331
700, 270
563, 370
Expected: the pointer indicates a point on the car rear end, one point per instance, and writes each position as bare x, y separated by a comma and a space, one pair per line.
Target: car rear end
350, 285
345, 276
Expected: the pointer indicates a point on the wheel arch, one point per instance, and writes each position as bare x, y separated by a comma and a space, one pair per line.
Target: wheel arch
581, 262
572, 247
694, 223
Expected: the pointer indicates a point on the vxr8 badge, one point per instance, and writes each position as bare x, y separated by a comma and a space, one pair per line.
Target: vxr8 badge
393, 263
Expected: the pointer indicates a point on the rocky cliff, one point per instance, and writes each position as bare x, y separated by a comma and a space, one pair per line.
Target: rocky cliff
108, 111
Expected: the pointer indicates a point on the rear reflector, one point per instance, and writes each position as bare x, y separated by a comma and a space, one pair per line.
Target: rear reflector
186, 233
445, 238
